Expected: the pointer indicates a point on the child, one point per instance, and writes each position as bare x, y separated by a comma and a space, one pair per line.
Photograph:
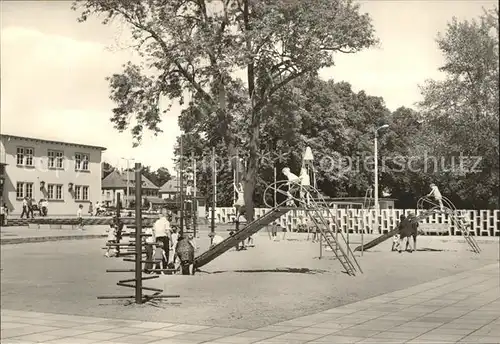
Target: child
79, 215
437, 195
240, 202
45, 207
395, 242
159, 256
175, 238
314, 229
215, 239
112, 233
149, 248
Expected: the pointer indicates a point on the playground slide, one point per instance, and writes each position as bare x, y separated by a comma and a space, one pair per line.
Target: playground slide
243, 234
393, 232
378, 240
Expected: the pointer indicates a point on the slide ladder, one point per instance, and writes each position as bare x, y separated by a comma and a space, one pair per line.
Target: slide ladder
450, 210
368, 203
243, 234
319, 212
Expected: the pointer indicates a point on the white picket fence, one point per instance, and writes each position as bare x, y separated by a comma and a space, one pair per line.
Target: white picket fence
482, 222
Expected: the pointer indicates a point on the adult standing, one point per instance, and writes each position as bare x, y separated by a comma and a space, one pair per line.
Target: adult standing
91, 209
31, 201
25, 208
163, 233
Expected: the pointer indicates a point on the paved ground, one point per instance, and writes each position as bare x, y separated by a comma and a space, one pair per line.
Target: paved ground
23, 234
272, 282
461, 308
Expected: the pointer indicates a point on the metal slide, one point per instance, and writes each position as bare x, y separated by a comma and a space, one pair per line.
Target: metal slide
243, 234
448, 209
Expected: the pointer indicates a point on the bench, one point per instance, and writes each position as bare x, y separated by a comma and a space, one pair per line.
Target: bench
437, 228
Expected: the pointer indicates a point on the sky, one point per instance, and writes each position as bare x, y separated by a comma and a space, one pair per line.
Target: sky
53, 70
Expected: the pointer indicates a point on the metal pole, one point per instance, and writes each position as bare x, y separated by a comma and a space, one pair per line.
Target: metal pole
195, 201
118, 229
214, 189
376, 182
363, 239
320, 243
236, 176
181, 222
138, 231
376, 170
274, 170
128, 187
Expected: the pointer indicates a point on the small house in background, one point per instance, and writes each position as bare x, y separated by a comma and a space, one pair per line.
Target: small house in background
115, 184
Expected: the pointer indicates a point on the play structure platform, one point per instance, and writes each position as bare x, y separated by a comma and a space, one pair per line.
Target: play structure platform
318, 211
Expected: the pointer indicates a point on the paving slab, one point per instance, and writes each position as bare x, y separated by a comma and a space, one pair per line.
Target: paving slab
469, 317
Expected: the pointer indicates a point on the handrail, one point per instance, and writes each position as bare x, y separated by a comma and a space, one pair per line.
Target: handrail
323, 205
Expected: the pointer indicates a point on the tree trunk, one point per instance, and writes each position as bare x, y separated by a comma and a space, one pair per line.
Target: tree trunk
251, 172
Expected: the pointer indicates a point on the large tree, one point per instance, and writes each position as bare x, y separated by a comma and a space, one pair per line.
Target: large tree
462, 111
334, 121
198, 47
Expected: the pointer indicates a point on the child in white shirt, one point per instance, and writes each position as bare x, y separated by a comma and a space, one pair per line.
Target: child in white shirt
79, 215
215, 239
149, 248
175, 237
437, 195
395, 242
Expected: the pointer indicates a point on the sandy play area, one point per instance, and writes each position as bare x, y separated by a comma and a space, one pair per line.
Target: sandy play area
268, 283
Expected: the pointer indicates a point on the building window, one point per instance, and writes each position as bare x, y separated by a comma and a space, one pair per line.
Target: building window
55, 192
20, 156
28, 190
81, 193
82, 162
24, 156
24, 189
59, 192
20, 190
78, 192
55, 159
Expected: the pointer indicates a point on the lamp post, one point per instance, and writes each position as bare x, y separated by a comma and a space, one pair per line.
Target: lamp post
181, 220
376, 171
128, 181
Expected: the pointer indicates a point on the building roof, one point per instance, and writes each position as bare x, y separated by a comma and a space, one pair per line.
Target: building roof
116, 180
51, 141
172, 186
